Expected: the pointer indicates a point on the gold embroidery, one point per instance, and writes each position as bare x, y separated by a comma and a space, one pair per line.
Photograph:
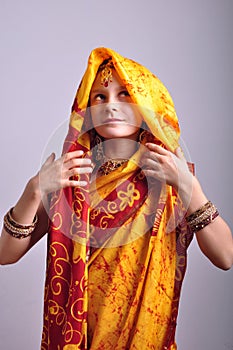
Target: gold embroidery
128, 197
106, 74
57, 221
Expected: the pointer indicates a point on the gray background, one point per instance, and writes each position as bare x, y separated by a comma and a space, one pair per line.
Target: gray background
44, 49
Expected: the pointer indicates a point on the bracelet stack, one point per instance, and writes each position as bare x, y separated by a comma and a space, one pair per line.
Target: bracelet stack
202, 217
17, 230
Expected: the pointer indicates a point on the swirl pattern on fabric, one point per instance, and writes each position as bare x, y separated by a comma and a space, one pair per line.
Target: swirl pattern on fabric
126, 295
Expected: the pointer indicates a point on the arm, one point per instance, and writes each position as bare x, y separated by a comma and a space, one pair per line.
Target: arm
29, 204
215, 240
53, 175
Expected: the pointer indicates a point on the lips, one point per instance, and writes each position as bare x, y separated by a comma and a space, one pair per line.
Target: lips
112, 120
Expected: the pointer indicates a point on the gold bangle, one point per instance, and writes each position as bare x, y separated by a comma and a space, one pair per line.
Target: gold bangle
16, 229
202, 217
203, 223
199, 211
9, 214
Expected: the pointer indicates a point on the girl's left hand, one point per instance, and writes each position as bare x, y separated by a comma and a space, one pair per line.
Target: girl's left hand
166, 166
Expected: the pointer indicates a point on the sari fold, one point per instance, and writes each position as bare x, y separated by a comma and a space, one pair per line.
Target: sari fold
117, 247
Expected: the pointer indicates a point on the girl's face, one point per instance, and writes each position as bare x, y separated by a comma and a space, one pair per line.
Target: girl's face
113, 113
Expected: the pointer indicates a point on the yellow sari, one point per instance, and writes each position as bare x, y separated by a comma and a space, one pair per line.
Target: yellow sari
125, 294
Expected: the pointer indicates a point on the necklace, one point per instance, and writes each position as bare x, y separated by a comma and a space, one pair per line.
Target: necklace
110, 165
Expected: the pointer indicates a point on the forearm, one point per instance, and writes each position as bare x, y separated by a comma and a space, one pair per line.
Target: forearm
215, 240
54, 175
11, 248
25, 209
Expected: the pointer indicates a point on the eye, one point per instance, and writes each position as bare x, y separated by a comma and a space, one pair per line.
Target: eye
99, 97
124, 93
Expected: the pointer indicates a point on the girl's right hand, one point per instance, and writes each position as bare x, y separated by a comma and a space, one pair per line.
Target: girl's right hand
57, 174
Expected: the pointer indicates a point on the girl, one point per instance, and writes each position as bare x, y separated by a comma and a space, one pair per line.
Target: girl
121, 207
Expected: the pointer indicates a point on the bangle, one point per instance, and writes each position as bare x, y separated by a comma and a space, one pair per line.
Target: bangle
16, 229
202, 217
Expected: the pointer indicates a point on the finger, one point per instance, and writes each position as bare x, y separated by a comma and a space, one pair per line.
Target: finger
156, 148
158, 175
50, 159
149, 157
150, 163
78, 171
77, 162
179, 153
75, 183
154, 156
73, 154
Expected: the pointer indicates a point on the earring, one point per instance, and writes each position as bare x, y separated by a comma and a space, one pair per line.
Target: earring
143, 136
146, 136
99, 148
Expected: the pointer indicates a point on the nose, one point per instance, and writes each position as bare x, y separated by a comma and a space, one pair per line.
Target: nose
111, 104
111, 107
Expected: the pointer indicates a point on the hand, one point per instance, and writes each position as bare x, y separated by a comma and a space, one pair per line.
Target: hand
57, 174
166, 166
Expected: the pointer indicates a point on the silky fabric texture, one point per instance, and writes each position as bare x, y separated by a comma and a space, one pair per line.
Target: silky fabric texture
126, 295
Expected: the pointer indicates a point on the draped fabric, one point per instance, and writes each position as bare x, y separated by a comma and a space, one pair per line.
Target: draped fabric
117, 247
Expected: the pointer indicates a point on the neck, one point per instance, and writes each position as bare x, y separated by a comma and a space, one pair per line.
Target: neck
120, 148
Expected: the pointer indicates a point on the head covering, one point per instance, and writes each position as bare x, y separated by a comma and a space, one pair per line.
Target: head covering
69, 276
145, 89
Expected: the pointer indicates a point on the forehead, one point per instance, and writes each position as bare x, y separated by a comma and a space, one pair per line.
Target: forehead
116, 82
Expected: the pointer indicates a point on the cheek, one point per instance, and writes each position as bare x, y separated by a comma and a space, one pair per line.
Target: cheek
135, 117
95, 116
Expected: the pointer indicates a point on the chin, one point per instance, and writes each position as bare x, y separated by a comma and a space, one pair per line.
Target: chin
118, 133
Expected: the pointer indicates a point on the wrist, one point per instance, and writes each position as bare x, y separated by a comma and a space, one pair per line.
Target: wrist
185, 188
197, 197
33, 188
25, 209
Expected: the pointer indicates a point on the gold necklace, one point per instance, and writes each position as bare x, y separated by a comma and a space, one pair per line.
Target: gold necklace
111, 165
